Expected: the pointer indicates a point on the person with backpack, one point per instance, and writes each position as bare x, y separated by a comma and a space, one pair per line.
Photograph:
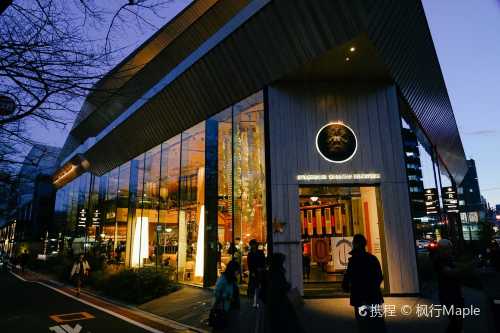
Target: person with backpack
224, 315
79, 272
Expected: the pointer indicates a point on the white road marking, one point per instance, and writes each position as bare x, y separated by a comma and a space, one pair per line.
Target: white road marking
69, 329
133, 322
66, 329
496, 301
57, 329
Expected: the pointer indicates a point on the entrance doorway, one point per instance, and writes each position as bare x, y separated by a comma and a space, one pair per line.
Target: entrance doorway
330, 215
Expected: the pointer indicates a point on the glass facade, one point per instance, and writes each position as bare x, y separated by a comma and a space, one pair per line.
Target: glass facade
189, 204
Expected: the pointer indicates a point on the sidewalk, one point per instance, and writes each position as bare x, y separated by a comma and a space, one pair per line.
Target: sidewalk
187, 309
191, 305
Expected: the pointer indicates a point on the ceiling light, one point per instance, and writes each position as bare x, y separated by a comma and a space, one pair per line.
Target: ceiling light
352, 49
347, 59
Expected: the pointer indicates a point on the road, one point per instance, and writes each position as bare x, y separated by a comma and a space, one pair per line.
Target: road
31, 307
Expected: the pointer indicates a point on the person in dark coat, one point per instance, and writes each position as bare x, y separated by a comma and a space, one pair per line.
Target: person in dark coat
256, 260
280, 313
449, 283
362, 279
23, 260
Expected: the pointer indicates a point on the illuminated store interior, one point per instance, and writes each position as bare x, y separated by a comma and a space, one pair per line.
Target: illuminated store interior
329, 217
152, 210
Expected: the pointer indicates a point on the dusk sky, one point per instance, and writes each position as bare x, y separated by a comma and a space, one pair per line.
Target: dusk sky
467, 39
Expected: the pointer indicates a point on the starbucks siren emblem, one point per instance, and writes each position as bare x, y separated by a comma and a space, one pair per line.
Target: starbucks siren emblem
336, 142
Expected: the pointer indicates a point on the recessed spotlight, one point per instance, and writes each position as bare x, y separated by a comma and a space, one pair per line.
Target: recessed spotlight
352, 49
347, 59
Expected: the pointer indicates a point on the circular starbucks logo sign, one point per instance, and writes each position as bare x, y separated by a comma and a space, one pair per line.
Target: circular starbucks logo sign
336, 142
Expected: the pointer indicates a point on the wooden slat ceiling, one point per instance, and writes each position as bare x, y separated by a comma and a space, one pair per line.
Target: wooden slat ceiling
278, 40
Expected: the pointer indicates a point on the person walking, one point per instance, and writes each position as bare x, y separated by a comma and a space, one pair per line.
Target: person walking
224, 316
280, 314
23, 260
79, 272
256, 260
449, 283
362, 279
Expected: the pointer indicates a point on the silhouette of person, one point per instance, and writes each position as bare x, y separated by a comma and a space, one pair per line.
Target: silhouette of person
449, 283
362, 279
280, 313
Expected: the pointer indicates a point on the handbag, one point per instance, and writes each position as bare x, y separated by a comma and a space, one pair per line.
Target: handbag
217, 317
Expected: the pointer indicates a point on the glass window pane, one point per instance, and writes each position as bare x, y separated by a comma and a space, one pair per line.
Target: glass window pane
192, 209
137, 247
109, 220
121, 222
150, 205
168, 238
249, 175
225, 187
93, 225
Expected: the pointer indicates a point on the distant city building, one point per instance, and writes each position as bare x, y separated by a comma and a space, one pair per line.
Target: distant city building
35, 194
471, 204
414, 173
7, 205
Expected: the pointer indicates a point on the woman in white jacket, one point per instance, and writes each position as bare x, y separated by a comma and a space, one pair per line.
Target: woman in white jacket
79, 272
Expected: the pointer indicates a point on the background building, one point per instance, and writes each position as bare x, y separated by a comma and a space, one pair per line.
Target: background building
415, 181
35, 196
472, 208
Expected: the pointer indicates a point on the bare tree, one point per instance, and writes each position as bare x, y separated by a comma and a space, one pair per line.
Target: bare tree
51, 56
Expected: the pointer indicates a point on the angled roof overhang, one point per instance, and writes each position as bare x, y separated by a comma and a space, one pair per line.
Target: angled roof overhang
268, 40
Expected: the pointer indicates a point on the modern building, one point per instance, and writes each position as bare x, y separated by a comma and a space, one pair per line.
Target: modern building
278, 121
35, 196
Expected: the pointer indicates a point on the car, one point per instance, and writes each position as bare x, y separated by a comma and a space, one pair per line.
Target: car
432, 245
422, 243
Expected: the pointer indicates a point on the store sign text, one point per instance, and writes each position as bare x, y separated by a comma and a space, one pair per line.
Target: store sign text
341, 176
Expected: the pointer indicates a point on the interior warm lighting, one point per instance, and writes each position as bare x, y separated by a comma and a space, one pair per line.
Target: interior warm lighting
352, 49
314, 199
66, 173
141, 241
200, 244
347, 59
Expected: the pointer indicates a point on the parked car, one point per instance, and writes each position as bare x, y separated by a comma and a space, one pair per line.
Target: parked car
422, 244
